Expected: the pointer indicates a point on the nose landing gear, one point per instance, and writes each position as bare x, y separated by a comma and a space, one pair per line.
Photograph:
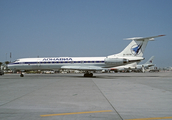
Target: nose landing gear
21, 75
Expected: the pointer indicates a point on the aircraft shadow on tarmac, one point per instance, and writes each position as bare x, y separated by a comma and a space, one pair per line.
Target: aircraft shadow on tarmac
97, 75
104, 75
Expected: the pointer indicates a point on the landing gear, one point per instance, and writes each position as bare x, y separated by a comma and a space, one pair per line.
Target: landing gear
21, 75
87, 74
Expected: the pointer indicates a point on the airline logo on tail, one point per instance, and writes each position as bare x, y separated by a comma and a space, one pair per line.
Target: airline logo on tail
136, 49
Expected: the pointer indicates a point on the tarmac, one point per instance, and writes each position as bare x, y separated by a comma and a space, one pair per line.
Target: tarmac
106, 96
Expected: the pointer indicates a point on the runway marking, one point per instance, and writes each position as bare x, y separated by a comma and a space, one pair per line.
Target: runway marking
150, 118
75, 113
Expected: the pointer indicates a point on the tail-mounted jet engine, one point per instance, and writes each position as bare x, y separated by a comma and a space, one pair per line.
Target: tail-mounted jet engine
115, 61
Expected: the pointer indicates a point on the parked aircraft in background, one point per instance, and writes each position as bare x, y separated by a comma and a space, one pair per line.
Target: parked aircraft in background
132, 53
134, 67
124, 68
142, 67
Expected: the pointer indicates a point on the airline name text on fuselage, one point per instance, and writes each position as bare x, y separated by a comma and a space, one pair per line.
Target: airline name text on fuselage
57, 59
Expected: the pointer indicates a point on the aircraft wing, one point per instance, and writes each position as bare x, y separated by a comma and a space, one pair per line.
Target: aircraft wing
85, 68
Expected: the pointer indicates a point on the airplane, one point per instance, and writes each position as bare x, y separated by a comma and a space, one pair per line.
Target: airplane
132, 53
134, 67
124, 68
142, 67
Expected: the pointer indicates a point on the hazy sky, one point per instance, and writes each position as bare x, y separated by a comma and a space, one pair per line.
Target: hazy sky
69, 28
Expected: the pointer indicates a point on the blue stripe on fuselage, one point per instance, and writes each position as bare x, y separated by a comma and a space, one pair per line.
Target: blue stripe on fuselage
55, 62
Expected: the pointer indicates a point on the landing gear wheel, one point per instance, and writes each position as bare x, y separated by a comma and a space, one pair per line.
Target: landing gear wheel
91, 74
21, 75
88, 75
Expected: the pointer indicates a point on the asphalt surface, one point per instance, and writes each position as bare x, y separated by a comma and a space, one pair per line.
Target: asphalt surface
106, 96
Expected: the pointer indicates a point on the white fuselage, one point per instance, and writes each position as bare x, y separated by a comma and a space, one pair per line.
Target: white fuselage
55, 63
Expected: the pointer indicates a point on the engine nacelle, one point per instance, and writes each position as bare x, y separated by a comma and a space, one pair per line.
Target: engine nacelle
115, 61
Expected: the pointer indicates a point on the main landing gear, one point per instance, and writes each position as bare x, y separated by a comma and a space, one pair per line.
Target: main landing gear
87, 74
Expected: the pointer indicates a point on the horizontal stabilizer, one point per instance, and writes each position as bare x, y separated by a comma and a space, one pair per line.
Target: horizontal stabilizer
141, 38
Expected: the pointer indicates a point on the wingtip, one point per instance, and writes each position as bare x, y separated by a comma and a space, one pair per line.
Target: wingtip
161, 35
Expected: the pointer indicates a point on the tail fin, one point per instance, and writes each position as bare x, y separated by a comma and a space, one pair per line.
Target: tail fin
136, 47
150, 61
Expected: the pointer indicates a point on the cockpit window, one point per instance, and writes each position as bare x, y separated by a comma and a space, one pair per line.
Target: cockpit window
16, 61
